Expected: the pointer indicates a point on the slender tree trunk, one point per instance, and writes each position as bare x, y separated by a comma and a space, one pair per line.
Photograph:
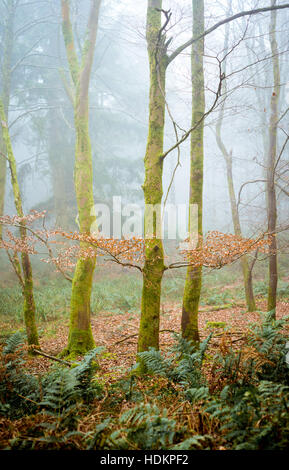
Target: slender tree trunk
5, 95
26, 275
247, 272
80, 338
80, 334
193, 282
153, 191
271, 161
3, 172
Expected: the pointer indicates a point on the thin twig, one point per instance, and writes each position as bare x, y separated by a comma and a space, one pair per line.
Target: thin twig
41, 353
136, 334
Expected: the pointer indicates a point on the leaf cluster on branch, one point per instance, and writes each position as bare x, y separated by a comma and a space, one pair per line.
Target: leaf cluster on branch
215, 250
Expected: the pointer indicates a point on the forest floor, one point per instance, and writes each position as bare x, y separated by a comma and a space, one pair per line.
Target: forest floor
115, 319
117, 333
116, 330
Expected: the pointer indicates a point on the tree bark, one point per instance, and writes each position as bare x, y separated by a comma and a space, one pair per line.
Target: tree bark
193, 282
271, 161
26, 274
152, 188
5, 96
247, 272
80, 338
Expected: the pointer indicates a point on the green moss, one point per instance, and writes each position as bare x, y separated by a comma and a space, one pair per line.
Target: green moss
80, 335
150, 307
215, 324
193, 283
79, 342
192, 292
3, 172
70, 49
153, 191
26, 273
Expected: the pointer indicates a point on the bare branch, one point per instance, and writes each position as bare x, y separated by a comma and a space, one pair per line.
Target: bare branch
180, 49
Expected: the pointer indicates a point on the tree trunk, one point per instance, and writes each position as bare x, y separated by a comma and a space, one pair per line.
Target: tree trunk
3, 172
26, 275
5, 95
247, 275
153, 191
271, 161
193, 282
80, 338
80, 334
247, 271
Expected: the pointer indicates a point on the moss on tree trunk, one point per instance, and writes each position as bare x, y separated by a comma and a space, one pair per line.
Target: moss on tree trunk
5, 96
153, 191
29, 303
80, 335
80, 338
3, 172
25, 275
271, 162
193, 282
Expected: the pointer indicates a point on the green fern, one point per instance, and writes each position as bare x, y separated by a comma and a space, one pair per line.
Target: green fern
182, 364
87, 387
144, 427
195, 442
19, 391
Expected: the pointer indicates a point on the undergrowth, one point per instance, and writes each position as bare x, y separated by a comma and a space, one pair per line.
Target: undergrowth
234, 397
